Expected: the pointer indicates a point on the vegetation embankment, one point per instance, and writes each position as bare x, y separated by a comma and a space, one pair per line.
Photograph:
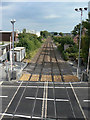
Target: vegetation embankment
69, 48
85, 38
31, 42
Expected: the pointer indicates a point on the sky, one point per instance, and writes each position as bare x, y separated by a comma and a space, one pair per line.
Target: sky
50, 16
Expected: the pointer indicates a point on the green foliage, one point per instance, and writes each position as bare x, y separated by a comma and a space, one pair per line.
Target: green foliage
30, 41
85, 39
76, 30
65, 55
73, 56
63, 40
24, 30
55, 33
44, 34
70, 52
61, 34
40, 39
60, 48
85, 48
72, 49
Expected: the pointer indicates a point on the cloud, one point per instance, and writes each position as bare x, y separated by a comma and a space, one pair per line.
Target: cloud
41, 16
52, 16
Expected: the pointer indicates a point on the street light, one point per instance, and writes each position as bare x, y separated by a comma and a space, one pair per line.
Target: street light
80, 10
13, 21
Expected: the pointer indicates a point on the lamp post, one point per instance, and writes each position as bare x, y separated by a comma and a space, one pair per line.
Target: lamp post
80, 10
88, 65
13, 21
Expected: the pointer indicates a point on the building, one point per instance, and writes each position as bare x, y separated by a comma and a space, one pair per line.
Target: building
4, 52
5, 36
5, 44
19, 54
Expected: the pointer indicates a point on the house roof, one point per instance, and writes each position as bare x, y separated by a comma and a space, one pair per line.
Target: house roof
5, 31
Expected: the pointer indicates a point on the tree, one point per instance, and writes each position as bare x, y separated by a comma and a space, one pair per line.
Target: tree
55, 33
29, 41
85, 38
61, 34
76, 30
24, 30
84, 48
44, 34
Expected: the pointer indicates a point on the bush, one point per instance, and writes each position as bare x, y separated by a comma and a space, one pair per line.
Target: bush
60, 48
30, 41
73, 56
72, 49
65, 56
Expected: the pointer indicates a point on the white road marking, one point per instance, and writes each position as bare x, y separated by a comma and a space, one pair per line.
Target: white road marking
3, 96
55, 82
11, 100
86, 100
48, 99
62, 100
43, 102
7, 114
70, 103
23, 116
16, 115
78, 102
43, 87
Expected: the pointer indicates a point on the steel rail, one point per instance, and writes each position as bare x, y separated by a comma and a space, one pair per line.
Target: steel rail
39, 80
58, 64
25, 87
64, 84
53, 80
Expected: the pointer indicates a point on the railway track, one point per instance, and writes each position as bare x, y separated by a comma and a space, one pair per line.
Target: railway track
47, 67
42, 69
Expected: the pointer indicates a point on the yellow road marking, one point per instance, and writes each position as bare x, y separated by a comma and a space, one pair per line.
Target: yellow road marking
70, 78
57, 78
46, 78
34, 78
25, 77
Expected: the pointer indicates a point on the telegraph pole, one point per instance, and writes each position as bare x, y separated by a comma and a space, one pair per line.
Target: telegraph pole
13, 21
81, 11
88, 65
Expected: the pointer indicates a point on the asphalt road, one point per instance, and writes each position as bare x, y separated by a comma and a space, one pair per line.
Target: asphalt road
45, 100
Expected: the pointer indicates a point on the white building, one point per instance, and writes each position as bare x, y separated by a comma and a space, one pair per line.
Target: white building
19, 53
32, 32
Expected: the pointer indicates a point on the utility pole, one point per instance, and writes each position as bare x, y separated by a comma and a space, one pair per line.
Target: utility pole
88, 65
78, 69
13, 21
